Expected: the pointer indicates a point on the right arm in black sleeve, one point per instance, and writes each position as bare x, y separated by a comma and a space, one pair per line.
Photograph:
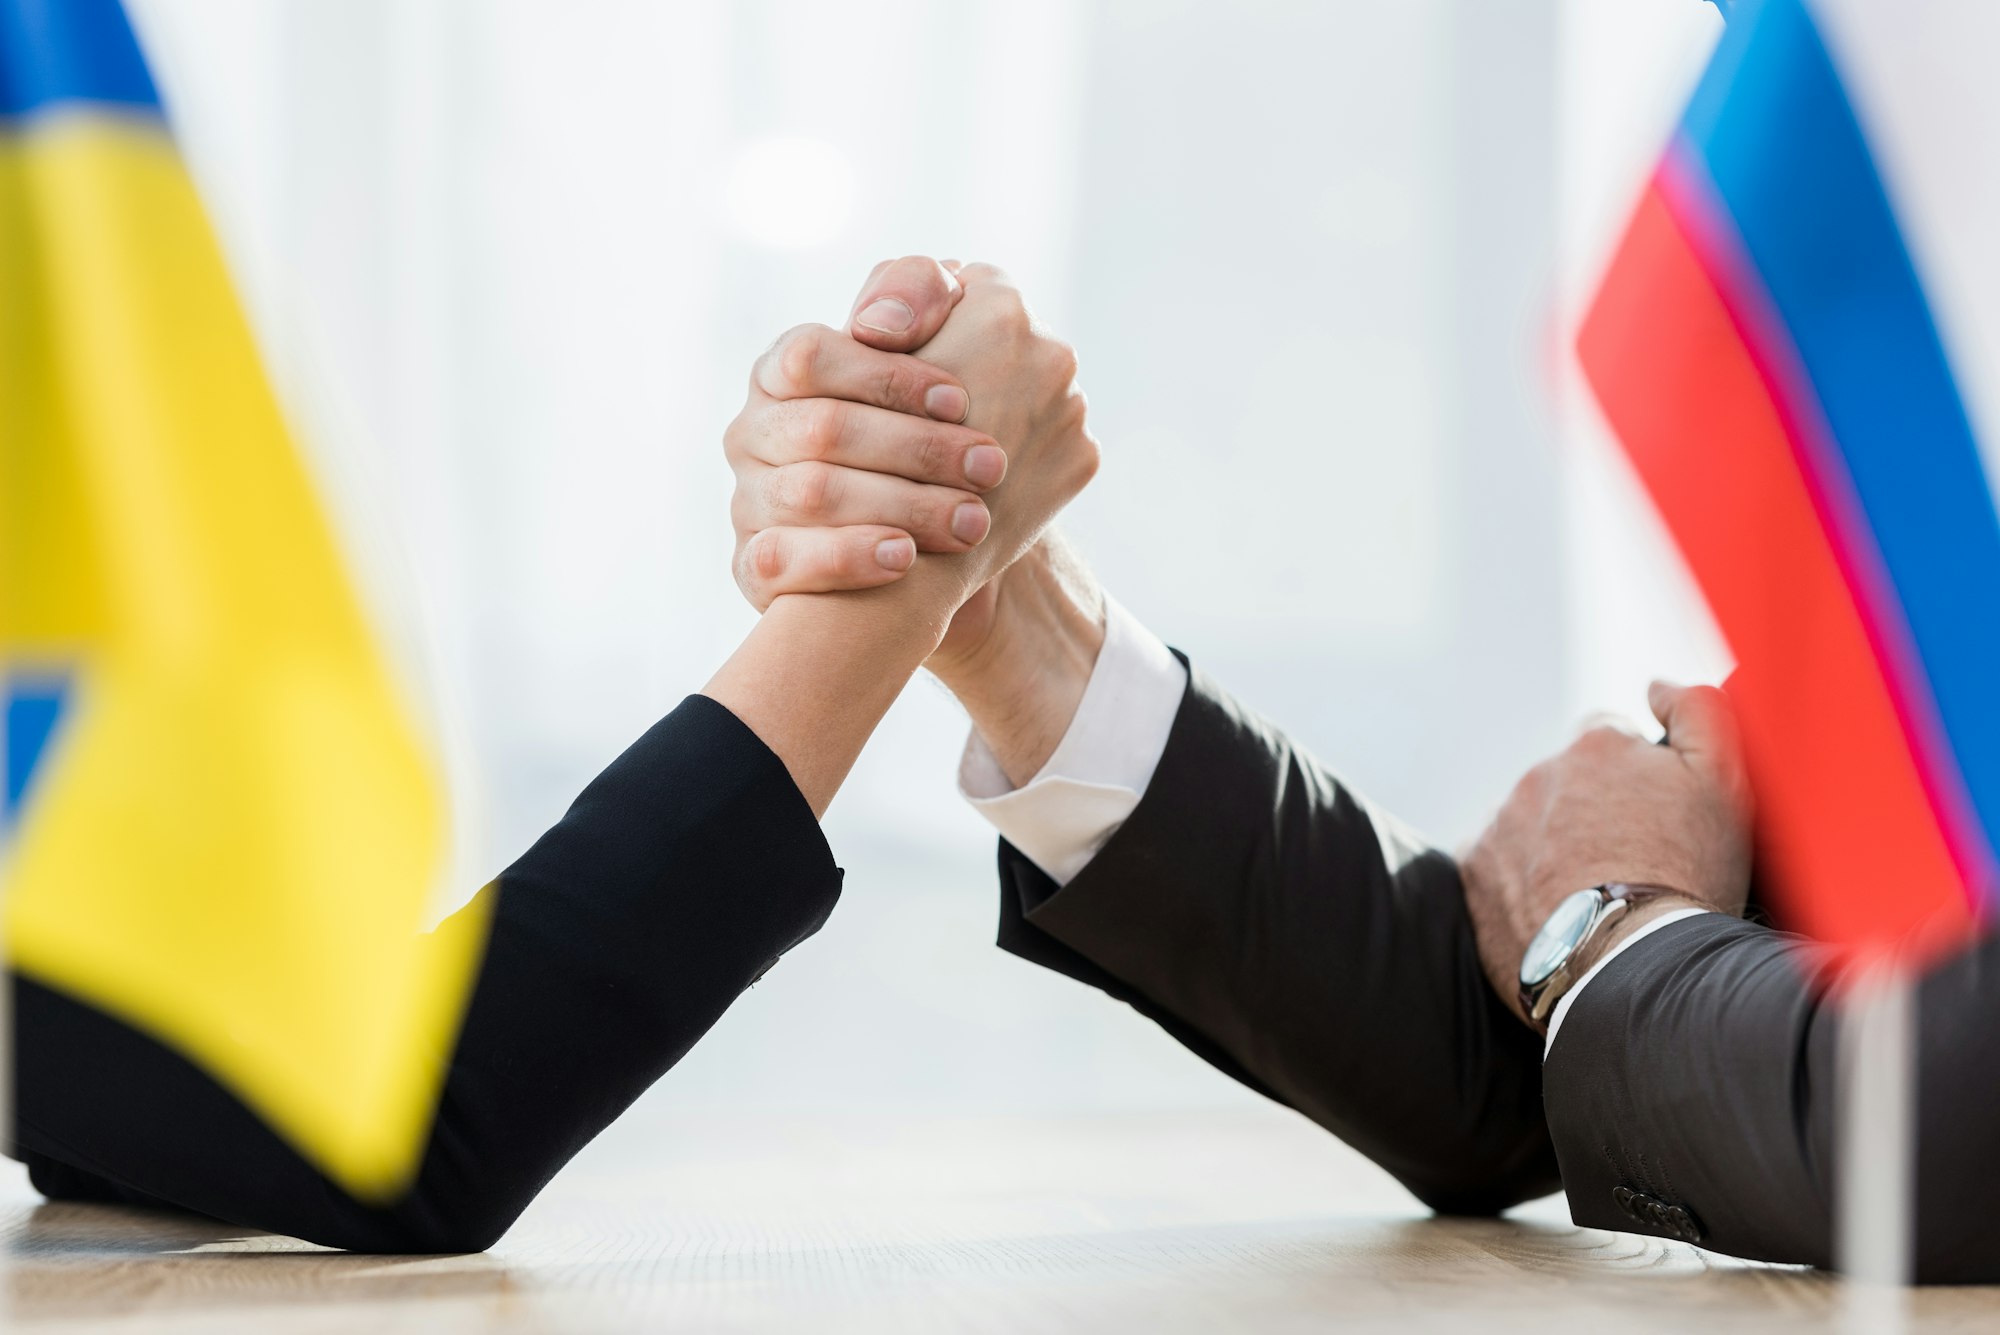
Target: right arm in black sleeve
1306, 945
1696, 1074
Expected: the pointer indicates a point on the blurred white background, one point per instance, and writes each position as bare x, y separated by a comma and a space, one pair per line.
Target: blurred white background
510, 263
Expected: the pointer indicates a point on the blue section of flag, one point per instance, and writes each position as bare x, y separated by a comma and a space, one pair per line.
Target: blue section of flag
57, 51
34, 707
1791, 164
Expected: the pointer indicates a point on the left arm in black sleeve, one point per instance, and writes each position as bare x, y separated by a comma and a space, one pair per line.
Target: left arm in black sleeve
676, 879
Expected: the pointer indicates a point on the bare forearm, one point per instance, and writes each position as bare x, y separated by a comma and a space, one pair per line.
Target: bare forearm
817, 673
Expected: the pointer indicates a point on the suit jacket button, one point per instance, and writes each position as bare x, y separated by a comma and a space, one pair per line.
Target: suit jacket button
1623, 1195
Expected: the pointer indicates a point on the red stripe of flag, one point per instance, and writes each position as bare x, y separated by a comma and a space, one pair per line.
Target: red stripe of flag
1853, 846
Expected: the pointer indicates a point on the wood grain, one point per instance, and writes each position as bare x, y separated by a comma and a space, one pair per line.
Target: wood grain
1241, 1220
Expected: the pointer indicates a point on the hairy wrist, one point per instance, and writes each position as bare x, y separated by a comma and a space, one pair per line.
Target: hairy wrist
1022, 682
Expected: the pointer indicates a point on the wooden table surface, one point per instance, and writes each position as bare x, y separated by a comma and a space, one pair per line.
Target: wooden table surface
1238, 1220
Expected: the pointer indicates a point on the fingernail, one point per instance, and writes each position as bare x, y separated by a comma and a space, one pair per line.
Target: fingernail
969, 523
895, 553
985, 465
888, 315
947, 403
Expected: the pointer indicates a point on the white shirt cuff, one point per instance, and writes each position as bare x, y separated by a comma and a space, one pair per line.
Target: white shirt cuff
1563, 1002
1098, 772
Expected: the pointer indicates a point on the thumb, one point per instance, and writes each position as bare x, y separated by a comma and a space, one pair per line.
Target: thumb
1700, 723
904, 303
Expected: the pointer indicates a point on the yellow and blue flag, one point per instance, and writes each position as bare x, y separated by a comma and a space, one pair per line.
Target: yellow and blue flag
220, 822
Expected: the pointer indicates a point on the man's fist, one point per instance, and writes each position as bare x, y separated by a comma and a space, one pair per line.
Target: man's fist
1615, 808
1022, 382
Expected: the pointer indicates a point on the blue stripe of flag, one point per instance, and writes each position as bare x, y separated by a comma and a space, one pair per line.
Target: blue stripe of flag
33, 707
1792, 167
65, 51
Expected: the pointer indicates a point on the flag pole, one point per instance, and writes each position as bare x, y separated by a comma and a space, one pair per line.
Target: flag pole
6, 963
6, 957
1875, 1126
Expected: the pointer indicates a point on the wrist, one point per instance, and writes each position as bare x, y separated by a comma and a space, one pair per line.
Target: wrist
1581, 932
818, 671
1616, 933
1022, 681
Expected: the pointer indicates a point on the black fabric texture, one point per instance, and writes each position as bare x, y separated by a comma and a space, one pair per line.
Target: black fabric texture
677, 878
1700, 1071
1267, 918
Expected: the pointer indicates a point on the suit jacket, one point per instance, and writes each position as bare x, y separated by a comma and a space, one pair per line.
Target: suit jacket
1303, 943
674, 881
1298, 940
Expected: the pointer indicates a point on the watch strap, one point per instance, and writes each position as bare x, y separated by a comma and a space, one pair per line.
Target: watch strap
1616, 900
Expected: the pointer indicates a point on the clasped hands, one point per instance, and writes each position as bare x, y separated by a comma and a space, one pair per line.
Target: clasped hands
946, 421
852, 455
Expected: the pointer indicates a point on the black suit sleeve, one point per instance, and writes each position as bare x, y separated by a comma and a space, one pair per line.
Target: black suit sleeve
1691, 1093
1307, 946
676, 879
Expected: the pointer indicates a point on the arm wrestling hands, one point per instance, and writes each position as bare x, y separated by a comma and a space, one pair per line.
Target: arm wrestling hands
1613, 808
830, 432
903, 433
852, 455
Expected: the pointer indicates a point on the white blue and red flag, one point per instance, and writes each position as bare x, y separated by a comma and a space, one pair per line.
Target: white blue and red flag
1792, 344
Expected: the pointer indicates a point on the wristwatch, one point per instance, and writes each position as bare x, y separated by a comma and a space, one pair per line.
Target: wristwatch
1563, 950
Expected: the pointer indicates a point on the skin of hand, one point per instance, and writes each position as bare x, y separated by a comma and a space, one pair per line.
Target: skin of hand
1615, 808
821, 667
846, 422
850, 458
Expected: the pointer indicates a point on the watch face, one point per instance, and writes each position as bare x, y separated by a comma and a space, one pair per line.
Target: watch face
1559, 936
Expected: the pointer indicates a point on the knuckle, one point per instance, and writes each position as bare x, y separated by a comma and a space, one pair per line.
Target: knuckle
811, 565
821, 428
935, 456
1076, 408
764, 557
798, 353
897, 385
925, 511
802, 490
1600, 740
1062, 360
821, 563
817, 484
849, 562
1089, 457
926, 272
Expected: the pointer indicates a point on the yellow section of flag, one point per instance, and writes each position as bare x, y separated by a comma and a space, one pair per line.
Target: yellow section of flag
232, 840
